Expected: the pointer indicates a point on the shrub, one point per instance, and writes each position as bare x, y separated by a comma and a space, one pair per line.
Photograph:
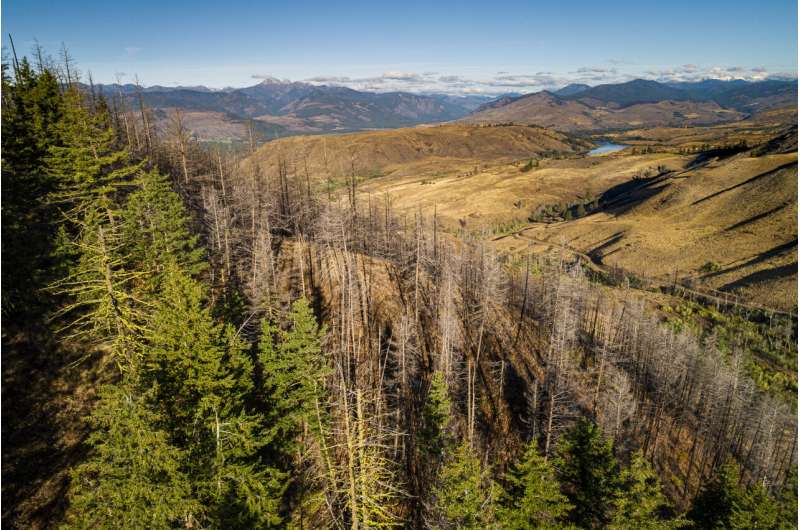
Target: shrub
711, 266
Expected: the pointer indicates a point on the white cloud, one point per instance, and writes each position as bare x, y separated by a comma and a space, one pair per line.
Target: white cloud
330, 80
504, 81
402, 76
267, 77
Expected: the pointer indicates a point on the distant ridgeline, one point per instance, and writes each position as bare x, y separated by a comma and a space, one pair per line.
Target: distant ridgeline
640, 103
275, 109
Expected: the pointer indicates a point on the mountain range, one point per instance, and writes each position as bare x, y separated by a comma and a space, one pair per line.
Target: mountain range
639, 103
277, 108
281, 108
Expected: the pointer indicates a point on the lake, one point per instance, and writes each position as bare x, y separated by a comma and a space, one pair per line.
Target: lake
604, 149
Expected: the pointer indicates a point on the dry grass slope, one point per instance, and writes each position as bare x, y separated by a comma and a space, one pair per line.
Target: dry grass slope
546, 110
434, 149
726, 223
730, 224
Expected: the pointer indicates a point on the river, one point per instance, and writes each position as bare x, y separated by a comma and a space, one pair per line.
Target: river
604, 149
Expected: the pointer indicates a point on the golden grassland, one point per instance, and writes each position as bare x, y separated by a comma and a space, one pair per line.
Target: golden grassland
546, 110
730, 225
424, 150
756, 129
726, 222
505, 193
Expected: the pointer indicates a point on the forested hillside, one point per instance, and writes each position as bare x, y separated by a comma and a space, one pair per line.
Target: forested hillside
195, 342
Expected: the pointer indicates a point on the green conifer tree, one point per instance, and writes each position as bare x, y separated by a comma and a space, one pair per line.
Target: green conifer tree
757, 510
156, 230
205, 382
31, 109
718, 497
787, 501
640, 501
88, 166
133, 477
532, 496
588, 470
87, 161
101, 307
724, 503
465, 496
294, 371
434, 439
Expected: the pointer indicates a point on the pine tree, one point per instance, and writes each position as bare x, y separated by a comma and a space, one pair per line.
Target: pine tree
133, 477
465, 497
294, 371
433, 442
532, 497
205, 382
588, 470
88, 168
640, 502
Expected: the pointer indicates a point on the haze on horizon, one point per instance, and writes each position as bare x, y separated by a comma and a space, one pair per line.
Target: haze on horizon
480, 49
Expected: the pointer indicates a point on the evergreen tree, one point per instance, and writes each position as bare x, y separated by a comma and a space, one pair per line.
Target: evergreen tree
133, 477
465, 497
724, 503
86, 161
156, 230
718, 499
756, 510
434, 439
640, 502
205, 382
532, 497
294, 371
32, 107
787, 501
588, 470
101, 306
89, 168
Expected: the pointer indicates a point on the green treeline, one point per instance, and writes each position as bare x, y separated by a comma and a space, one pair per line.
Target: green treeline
202, 422
187, 434
583, 487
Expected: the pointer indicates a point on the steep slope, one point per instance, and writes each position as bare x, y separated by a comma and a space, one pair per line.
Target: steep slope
630, 93
727, 224
744, 96
571, 89
641, 103
590, 114
419, 150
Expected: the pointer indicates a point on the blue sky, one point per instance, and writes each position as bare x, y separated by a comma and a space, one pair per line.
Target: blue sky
451, 46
